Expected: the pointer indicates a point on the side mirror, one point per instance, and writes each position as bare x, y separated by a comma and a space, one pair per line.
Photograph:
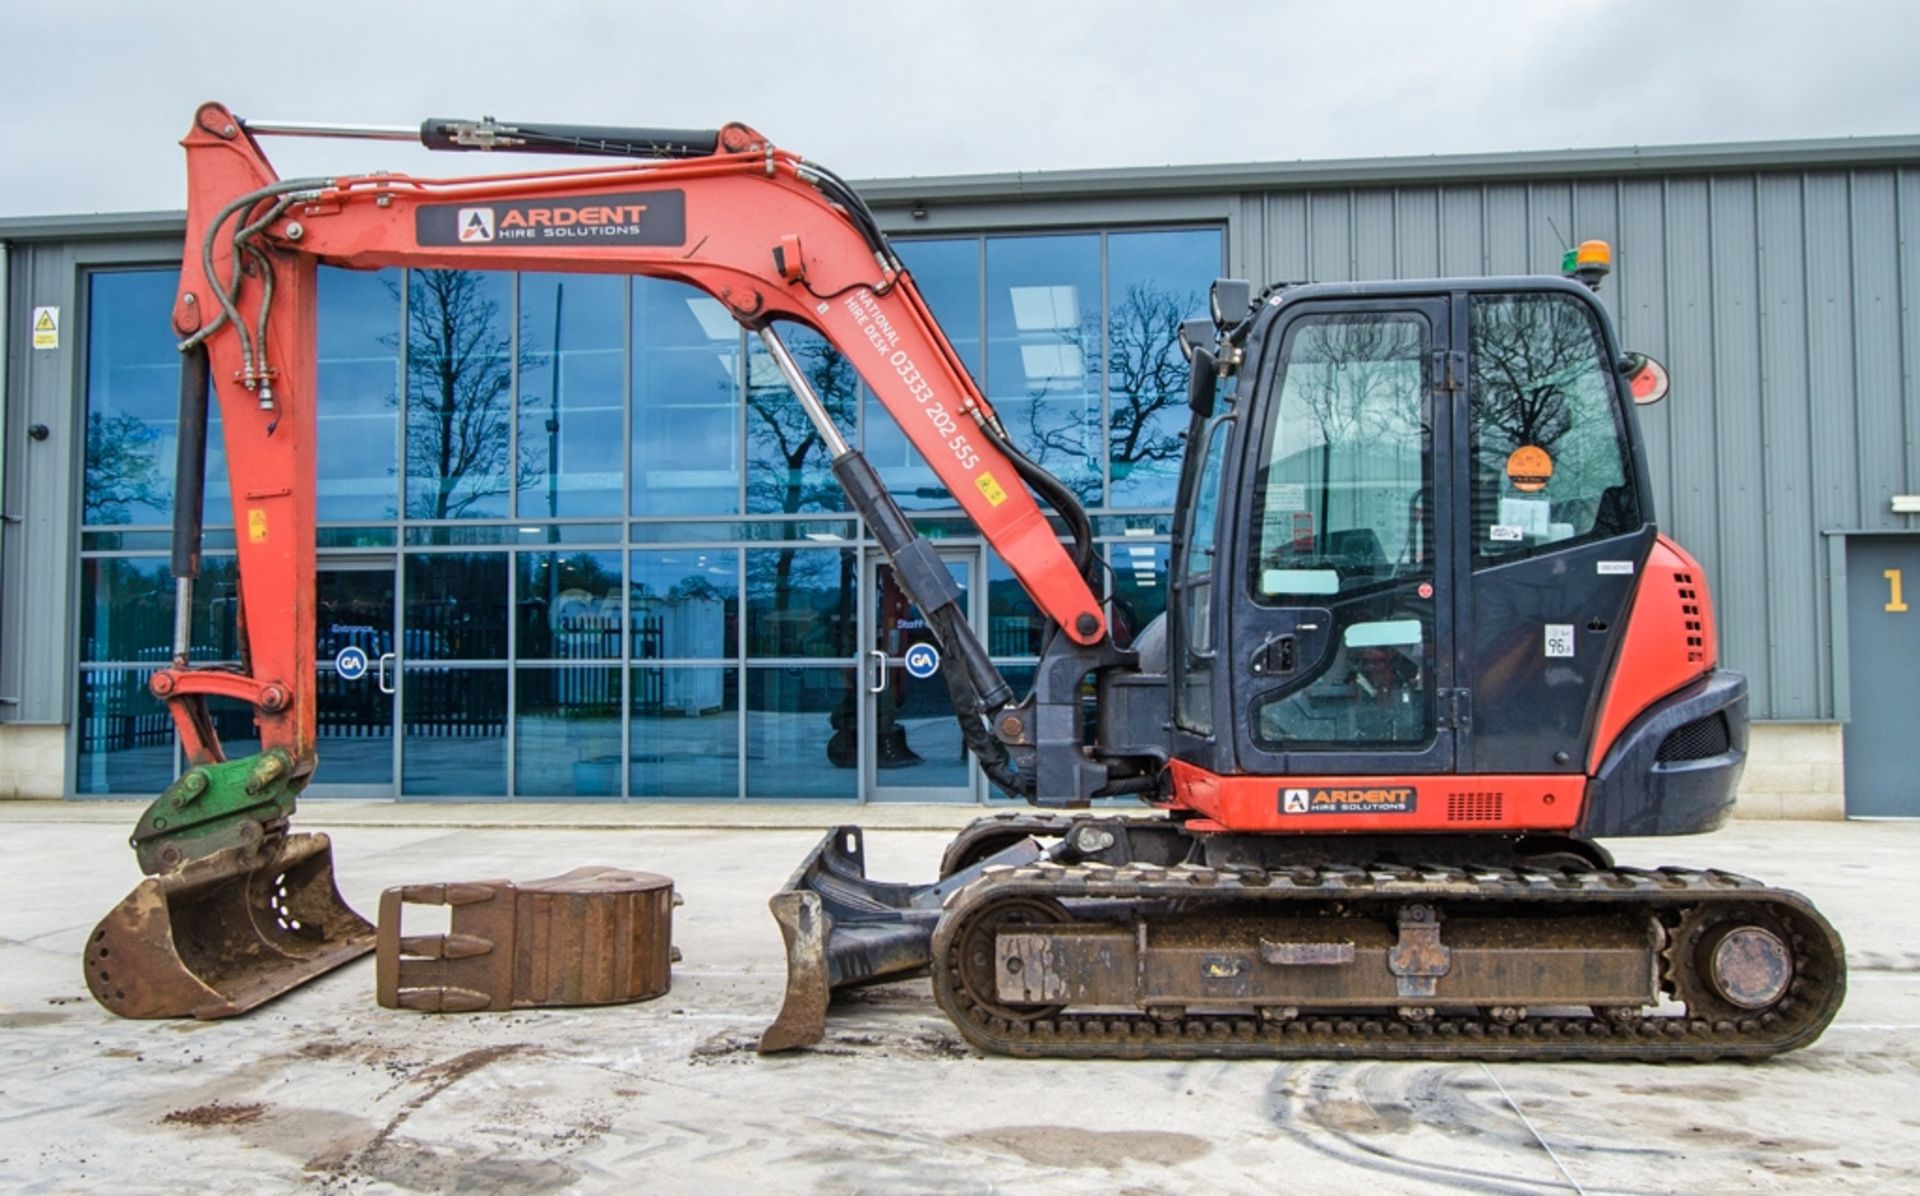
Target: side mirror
1203, 381
1230, 298
1193, 334
1646, 378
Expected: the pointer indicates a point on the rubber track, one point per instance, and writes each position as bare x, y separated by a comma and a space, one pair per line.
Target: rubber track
1797, 1019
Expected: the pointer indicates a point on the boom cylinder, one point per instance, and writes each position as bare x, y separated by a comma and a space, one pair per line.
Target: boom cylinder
189, 492
445, 133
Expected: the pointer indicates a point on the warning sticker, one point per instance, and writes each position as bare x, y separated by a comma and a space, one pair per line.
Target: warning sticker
256, 526
1375, 799
46, 328
1287, 496
627, 218
1530, 468
990, 488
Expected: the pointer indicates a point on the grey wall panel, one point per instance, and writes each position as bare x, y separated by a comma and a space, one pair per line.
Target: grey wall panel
1462, 225
1879, 431
1247, 237
1373, 233
1740, 589
1417, 233
1508, 212
1693, 510
1833, 446
1639, 289
1329, 239
1907, 214
1550, 227
1288, 255
1793, 565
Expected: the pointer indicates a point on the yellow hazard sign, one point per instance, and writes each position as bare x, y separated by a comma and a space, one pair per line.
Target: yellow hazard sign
990, 488
256, 525
46, 328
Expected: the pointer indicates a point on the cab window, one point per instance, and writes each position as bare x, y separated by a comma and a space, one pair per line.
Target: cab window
1550, 464
1342, 497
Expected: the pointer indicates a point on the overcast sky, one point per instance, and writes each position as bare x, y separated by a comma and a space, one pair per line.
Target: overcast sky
98, 93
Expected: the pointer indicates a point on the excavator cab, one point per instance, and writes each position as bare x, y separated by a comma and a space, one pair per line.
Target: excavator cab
1416, 542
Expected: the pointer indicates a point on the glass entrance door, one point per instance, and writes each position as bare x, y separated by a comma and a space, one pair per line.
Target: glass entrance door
357, 658
910, 743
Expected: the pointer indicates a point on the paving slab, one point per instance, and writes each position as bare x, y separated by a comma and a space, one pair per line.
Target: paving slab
323, 1090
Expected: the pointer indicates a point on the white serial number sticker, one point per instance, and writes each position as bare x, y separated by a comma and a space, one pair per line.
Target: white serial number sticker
1559, 639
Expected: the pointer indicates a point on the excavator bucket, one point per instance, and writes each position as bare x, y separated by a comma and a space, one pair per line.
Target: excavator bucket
843, 930
220, 934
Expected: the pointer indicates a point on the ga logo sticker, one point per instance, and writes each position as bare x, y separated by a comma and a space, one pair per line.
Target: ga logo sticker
475, 224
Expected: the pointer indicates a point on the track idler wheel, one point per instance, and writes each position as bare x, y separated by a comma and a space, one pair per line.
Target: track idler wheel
1724, 965
973, 962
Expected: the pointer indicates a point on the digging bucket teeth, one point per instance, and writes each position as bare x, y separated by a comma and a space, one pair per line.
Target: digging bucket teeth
217, 935
843, 930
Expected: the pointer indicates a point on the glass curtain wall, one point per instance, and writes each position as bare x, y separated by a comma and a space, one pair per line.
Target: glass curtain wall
624, 566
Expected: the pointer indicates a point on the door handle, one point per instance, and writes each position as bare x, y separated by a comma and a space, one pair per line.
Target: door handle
880, 670
386, 686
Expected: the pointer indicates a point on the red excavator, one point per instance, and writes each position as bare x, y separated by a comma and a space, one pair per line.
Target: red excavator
1424, 646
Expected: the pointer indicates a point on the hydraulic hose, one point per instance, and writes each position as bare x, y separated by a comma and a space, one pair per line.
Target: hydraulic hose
1058, 495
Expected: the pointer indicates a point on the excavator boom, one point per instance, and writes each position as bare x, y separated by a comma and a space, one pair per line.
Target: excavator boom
775, 239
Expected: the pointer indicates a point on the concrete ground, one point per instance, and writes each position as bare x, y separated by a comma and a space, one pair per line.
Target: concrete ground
323, 1089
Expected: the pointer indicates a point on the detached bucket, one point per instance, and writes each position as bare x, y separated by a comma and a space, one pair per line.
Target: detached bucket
843, 930
226, 932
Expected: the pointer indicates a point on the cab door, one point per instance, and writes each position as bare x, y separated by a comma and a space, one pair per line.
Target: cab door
1344, 656
1555, 528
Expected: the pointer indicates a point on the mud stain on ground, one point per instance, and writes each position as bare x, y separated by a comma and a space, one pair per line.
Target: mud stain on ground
420, 1166
1054, 1146
724, 1048
215, 1113
26, 1021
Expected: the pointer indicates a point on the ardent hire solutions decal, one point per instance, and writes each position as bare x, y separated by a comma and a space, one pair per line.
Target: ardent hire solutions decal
1377, 799
629, 218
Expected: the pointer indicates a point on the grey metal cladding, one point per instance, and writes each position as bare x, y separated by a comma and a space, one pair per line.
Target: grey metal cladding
1782, 301
36, 634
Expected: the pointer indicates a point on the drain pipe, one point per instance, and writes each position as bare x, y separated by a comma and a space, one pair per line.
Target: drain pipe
6, 372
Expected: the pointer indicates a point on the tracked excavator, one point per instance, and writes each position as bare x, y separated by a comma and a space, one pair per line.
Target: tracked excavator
1424, 646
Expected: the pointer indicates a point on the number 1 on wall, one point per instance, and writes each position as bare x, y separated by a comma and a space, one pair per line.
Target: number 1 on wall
1895, 602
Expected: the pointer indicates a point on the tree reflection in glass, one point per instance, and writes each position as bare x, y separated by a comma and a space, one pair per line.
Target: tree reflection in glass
459, 394
1539, 382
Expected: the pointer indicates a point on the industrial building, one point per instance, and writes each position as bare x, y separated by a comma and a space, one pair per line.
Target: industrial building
592, 551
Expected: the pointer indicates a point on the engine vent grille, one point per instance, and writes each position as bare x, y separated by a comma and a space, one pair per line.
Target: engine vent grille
1474, 807
1689, 595
1698, 740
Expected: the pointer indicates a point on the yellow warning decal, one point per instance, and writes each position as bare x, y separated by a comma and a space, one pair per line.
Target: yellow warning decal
257, 525
990, 488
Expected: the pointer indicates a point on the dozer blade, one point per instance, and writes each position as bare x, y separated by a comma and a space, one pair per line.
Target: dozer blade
220, 934
843, 930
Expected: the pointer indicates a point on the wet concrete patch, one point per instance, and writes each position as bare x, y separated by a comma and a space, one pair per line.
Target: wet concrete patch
1069, 1146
